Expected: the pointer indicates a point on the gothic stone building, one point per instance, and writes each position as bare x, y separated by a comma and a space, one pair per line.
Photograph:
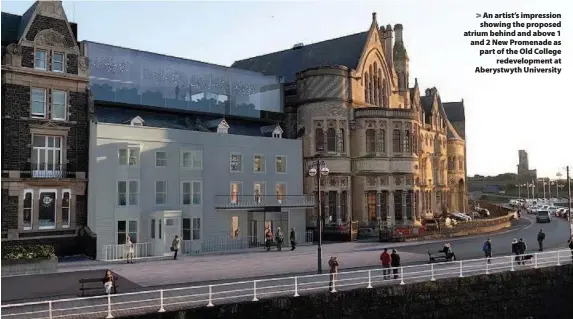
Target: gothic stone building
395, 154
44, 128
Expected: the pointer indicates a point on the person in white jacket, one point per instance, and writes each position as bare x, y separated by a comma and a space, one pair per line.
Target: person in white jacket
129, 249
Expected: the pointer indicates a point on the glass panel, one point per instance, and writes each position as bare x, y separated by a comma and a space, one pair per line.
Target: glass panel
160, 186
186, 159
41, 165
121, 187
142, 78
122, 157
133, 187
153, 228
121, 238
121, 226
196, 193
187, 187
132, 226
47, 209
186, 223
39, 141
50, 155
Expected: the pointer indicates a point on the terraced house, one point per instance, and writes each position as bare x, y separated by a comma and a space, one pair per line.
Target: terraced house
396, 153
45, 127
181, 147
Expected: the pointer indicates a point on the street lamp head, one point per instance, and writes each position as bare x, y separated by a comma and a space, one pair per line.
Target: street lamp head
312, 172
324, 171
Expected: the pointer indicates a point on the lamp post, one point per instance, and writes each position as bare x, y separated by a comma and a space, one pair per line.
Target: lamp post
557, 185
519, 190
544, 183
318, 168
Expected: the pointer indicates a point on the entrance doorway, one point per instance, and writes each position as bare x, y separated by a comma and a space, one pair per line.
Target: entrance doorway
167, 224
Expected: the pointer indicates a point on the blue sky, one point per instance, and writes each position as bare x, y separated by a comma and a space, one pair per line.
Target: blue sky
504, 113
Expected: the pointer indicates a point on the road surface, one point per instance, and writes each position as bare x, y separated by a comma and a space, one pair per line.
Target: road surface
213, 269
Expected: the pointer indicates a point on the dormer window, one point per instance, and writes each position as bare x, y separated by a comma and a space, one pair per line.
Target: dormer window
278, 132
223, 127
137, 121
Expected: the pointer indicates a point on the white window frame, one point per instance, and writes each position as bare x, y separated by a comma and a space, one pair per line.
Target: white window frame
65, 105
127, 229
44, 102
231, 162
282, 195
240, 186
128, 153
128, 193
192, 192
264, 163
195, 160
28, 191
284, 158
277, 132
157, 159
63, 63
194, 229
36, 59
165, 192
49, 190
197, 193
37, 168
69, 191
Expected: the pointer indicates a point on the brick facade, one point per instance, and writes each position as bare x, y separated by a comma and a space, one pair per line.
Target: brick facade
48, 30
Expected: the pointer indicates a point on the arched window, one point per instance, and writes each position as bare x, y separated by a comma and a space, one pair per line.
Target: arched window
396, 142
380, 89
341, 137
319, 139
371, 91
331, 140
376, 86
370, 141
381, 141
406, 147
366, 88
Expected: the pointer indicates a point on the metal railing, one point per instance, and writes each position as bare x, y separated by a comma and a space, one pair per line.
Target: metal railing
226, 243
119, 252
117, 305
261, 201
45, 170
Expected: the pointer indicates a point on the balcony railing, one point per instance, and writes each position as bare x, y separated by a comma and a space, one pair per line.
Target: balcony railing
261, 201
46, 170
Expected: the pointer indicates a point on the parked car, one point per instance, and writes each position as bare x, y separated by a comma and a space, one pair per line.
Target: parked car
543, 216
559, 211
552, 210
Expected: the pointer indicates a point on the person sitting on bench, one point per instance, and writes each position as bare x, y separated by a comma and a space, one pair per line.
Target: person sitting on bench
108, 281
448, 252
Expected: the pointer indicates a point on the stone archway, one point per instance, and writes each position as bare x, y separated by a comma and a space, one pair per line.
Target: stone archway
460, 190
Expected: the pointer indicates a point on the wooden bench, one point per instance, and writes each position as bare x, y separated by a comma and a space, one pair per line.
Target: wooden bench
440, 257
94, 286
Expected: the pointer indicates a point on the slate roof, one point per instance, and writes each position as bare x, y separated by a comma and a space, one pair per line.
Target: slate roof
199, 123
455, 111
345, 51
26, 19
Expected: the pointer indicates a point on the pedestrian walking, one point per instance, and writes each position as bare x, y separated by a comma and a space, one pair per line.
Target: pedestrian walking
395, 262
386, 260
515, 249
129, 249
268, 239
487, 250
540, 239
279, 238
333, 264
175, 245
292, 239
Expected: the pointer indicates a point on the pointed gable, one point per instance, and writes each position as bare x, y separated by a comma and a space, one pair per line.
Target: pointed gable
218, 125
345, 51
272, 131
45, 23
136, 121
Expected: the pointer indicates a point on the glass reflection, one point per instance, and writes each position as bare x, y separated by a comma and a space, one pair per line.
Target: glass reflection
142, 78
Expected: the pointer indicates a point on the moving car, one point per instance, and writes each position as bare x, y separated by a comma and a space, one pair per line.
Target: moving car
543, 216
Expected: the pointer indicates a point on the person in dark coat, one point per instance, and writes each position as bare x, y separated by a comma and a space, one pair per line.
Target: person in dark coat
395, 262
292, 238
521, 248
515, 249
571, 247
487, 250
540, 239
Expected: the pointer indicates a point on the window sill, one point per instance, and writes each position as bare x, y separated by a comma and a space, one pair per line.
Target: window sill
65, 226
281, 173
27, 228
259, 172
46, 227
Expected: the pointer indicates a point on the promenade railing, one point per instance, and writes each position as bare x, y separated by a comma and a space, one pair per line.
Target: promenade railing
136, 303
119, 252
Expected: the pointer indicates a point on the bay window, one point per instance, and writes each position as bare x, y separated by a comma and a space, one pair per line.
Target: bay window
46, 156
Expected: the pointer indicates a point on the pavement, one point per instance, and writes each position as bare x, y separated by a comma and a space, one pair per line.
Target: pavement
214, 269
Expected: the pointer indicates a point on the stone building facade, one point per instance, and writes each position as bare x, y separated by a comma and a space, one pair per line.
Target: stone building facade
393, 152
45, 127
